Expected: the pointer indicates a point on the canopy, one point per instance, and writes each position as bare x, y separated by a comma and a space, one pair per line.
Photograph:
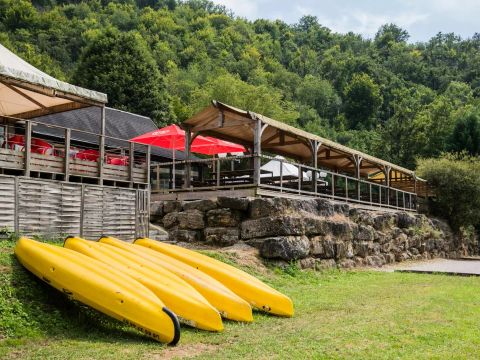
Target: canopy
27, 92
210, 146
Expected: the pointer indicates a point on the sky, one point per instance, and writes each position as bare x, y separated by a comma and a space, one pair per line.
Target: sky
421, 18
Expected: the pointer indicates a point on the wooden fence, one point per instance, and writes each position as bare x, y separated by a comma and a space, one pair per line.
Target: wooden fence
55, 208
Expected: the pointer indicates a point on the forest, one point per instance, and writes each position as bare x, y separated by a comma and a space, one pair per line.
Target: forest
167, 59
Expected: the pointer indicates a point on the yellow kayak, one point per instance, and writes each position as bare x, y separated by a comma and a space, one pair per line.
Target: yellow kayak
94, 284
187, 303
224, 300
249, 288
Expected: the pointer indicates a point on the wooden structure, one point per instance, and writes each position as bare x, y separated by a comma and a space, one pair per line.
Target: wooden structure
325, 168
50, 179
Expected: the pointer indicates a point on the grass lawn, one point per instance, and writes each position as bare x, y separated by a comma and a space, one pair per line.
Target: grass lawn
338, 315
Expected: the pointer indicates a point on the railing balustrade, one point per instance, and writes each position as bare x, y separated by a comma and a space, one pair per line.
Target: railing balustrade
277, 174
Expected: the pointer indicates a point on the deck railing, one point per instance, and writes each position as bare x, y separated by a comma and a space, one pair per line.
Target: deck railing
24, 147
280, 175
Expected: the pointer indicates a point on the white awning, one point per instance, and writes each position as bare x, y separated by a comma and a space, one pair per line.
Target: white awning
26, 91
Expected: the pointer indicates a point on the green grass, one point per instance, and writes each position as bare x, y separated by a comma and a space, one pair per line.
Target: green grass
369, 315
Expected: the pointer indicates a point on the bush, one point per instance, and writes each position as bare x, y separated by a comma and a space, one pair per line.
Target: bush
455, 178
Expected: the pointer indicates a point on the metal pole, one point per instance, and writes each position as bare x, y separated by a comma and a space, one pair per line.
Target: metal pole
257, 152
188, 140
101, 159
281, 175
131, 160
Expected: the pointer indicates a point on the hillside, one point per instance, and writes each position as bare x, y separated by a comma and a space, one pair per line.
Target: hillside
167, 59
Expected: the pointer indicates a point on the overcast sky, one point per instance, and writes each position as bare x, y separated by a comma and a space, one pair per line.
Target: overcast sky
421, 18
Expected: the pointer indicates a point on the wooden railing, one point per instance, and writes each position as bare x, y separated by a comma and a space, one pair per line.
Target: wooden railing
281, 176
122, 163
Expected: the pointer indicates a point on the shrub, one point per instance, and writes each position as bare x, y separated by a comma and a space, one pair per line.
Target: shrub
455, 178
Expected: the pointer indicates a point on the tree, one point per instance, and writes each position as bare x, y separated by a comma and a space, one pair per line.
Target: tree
121, 65
320, 95
456, 182
362, 100
466, 134
389, 34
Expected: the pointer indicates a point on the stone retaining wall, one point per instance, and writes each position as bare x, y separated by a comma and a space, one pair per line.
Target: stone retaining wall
317, 232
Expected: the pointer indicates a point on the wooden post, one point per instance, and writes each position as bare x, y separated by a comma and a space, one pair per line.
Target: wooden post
218, 170
157, 170
300, 177
281, 175
346, 188
131, 160
66, 163
386, 172
187, 172
28, 147
101, 159
333, 185
257, 152
148, 163
357, 161
315, 145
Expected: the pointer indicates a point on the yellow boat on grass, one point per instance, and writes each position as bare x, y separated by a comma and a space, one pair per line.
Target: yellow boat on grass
249, 288
93, 283
187, 303
224, 300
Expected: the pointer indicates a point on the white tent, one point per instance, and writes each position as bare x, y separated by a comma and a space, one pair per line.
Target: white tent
27, 92
287, 169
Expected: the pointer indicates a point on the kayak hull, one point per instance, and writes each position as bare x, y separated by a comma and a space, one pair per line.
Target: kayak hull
258, 294
92, 283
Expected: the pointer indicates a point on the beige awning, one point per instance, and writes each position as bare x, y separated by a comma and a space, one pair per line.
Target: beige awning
27, 92
236, 125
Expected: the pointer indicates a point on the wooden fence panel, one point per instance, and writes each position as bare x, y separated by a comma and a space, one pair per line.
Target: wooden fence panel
54, 208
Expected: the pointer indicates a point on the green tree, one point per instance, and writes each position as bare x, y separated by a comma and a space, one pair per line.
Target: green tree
121, 65
362, 100
320, 95
466, 134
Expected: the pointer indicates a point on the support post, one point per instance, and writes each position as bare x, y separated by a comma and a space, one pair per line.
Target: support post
157, 171
357, 161
300, 177
66, 163
101, 159
131, 160
281, 175
257, 152
187, 172
333, 185
386, 172
28, 147
315, 146
148, 163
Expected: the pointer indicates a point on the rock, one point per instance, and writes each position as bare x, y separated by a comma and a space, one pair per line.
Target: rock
329, 249
202, 205
325, 207
170, 220
401, 256
383, 221
221, 236
347, 264
171, 206
325, 264
316, 246
316, 226
268, 207
374, 260
349, 251
340, 208
361, 249
233, 203
156, 211
307, 263
272, 226
405, 220
365, 233
342, 230
359, 261
191, 219
223, 217
180, 235
389, 258
340, 250
285, 247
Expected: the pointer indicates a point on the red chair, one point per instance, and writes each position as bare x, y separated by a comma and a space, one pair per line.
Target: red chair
40, 146
117, 160
14, 142
89, 155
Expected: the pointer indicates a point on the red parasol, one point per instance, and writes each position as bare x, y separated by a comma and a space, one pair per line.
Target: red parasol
212, 146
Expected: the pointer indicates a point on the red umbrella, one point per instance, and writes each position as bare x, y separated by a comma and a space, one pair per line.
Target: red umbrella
211, 146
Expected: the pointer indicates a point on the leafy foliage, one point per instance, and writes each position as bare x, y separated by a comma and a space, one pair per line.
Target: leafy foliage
168, 58
456, 179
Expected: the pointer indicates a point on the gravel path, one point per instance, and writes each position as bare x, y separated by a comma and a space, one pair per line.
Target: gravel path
444, 266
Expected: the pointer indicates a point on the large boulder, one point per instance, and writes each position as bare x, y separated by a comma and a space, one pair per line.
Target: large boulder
170, 220
233, 203
191, 219
266, 207
272, 226
182, 235
405, 220
171, 206
202, 205
223, 217
221, 236
285, 247
156, 212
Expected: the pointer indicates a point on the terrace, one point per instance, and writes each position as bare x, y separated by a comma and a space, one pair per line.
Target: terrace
281, 161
